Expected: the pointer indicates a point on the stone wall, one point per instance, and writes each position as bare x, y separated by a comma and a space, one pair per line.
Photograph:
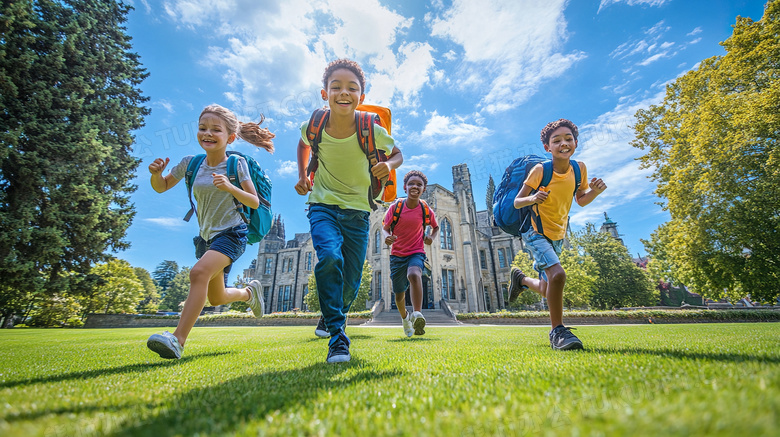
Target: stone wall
99, 321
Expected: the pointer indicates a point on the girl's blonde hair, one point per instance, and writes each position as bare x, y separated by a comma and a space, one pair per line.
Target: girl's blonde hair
250, 132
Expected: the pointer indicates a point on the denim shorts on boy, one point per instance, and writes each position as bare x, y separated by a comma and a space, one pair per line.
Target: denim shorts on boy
543, 251
230, 242
399, 266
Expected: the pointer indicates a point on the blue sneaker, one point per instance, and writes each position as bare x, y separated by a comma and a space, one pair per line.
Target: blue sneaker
338, 351
321, 330
166, 345
562, 339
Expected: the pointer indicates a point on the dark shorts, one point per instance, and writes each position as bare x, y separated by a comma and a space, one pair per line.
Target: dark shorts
230, 242
399, 268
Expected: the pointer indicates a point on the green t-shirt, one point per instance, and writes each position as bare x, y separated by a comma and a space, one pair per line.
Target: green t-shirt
342, 178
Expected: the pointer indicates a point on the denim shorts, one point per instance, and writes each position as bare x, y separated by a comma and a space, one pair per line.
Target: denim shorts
543, 251
230, 242
399, 268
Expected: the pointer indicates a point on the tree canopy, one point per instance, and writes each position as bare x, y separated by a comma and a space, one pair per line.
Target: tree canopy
69, 100
713, 145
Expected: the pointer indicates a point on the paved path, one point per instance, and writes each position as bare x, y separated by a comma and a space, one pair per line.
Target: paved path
392, 318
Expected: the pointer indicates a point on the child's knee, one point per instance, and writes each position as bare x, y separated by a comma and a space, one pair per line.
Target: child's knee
556, 274
414, 274
329, 261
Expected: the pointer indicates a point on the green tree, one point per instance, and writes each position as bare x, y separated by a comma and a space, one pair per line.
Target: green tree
151, 295
713, 145
312, 299
177, 291
163, 275
120, 291
619, 282
240, 305
69, 100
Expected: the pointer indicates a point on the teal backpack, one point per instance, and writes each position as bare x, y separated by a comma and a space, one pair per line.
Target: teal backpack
257, 220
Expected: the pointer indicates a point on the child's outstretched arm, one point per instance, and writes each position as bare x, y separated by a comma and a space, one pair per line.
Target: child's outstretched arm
304, 184
382, 169
429, 239
246, 194
596, 187
161, 183
389, 239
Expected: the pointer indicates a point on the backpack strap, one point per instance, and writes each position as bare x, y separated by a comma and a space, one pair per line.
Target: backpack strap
426, 214
577, 175
365, 129
398, 206
314, 134
189, 180
547, 171
232, 175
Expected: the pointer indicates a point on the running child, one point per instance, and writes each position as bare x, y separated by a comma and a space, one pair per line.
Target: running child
405, 228
223, 234
544, 240
339, 201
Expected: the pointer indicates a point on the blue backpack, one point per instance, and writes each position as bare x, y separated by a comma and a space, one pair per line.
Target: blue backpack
515, 221
257, 220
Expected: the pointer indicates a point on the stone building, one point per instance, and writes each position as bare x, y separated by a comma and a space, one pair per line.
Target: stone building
469, 264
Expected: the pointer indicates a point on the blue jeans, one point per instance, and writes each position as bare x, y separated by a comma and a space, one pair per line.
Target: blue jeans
230, 242
543, 251
340, 238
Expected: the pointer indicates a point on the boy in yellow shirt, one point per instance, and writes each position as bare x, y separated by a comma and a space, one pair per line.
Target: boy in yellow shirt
544, 239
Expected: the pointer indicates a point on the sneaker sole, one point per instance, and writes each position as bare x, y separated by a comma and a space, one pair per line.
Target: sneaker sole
321, 334
419, 326
339, 359
569, 347
162, 349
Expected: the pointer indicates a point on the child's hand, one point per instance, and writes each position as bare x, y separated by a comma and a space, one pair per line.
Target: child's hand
381, 170
221, 182
390, 239
428, 240
540, 195
597, 185
303, 186
158, 165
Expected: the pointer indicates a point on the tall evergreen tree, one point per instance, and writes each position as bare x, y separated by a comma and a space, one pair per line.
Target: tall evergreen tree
177, 292
491, 190
163, 275
69, 100
151, 297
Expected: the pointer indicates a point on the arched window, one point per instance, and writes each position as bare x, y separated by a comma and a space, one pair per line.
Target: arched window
445, 235
377, 241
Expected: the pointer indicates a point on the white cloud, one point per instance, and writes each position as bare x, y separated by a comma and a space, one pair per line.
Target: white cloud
273, 53
287, 168
168, 106
441, 130
651, 48
422, 162
604, 147
166, 222
606, 3
695, 31
509, 47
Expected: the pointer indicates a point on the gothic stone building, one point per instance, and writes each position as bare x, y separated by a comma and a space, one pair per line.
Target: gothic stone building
469, 264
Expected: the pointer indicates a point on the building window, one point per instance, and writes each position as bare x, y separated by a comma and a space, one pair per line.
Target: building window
501, 259
290, 265
268, 263
266, 293
445, 235
482, 260
378, 285
487, 298
505, 291
284, 264
448, 283
377, 241
303, 296
284, 298
308, 260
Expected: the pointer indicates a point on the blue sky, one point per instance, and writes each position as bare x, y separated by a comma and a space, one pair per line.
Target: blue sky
468, 82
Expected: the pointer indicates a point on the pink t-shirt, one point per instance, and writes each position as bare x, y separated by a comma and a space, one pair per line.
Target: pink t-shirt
409, 229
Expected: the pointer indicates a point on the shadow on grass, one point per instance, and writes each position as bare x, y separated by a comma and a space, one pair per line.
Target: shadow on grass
413, 339
352, 337
224, 408
130, 368
686, 355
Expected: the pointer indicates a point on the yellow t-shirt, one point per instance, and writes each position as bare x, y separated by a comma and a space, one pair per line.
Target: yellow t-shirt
342, 178
554, 211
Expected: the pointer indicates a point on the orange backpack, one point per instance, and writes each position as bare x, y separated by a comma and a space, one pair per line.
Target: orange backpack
399, 206
383, 189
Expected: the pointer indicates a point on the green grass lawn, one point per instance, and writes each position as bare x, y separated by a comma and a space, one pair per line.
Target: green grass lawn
693, 379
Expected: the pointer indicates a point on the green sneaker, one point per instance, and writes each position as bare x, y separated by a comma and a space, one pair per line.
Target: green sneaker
166, 345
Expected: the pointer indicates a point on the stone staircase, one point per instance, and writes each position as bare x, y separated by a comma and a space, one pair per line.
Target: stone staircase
432, 317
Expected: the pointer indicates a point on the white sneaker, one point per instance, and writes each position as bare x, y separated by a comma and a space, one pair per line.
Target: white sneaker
418, 321
256, 301
407, 322
166, 345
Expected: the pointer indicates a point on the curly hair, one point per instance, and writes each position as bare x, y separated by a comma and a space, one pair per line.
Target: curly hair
252, 133
551, 126
346, 64
417, 173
